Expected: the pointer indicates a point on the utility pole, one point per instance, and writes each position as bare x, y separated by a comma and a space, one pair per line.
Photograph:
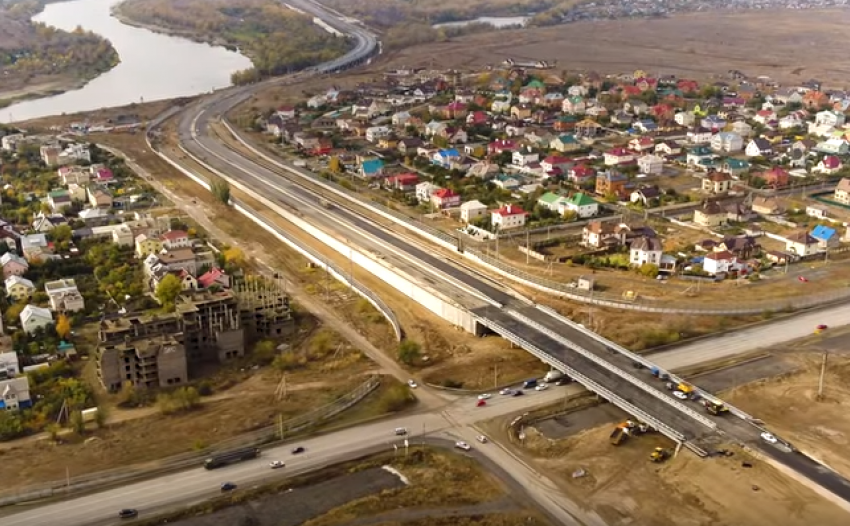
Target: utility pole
527, 246
822, 374
68, 478
495, 376
280, 426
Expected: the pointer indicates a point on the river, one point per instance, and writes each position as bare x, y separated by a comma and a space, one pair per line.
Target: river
153, 66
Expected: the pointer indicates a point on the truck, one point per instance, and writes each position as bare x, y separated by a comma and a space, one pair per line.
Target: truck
553, 375
530, 384
230, 457
619, 435
716, 407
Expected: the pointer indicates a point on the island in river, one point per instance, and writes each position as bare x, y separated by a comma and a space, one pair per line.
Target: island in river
39, 61
276, 38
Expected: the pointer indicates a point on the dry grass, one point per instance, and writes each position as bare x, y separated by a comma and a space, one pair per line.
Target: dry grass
437, 480
500, 519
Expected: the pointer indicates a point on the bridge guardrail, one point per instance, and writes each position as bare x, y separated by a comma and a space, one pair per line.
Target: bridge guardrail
262, 437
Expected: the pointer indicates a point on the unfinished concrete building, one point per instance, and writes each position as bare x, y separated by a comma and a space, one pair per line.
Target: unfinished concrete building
205, 326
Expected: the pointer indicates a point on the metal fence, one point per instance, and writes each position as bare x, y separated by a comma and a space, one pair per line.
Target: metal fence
563, 290
265, 436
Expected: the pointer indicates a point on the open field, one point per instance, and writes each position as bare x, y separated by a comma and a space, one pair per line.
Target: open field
792, 46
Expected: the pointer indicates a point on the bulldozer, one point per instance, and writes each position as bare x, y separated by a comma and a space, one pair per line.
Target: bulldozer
716, 407
660, 454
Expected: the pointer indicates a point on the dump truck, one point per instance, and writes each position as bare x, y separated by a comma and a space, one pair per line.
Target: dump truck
716, 407
619, 435
685, 388
660, 454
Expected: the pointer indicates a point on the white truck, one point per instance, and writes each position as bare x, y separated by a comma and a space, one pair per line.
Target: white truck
553, 375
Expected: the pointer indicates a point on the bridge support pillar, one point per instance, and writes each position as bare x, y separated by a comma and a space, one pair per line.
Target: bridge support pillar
678, 448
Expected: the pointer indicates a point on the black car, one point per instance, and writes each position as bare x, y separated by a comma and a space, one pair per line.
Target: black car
297, 450
128, 514
228, 486
518, 392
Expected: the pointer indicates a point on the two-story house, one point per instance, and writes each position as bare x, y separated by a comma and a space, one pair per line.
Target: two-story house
646, 250
19, 288
445, 198
580, 204
508, 217
174, 239
716, 183
710, 215
472, 210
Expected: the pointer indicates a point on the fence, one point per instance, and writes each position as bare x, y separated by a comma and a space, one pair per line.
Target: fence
264, 436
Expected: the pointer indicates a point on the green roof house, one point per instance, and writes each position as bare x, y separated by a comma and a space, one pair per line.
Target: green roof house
550, 201
581, 204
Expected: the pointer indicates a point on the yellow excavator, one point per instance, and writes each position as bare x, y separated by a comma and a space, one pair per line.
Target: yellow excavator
660, 455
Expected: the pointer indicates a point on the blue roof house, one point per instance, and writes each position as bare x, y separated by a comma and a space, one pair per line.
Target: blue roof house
445, 158
371, 168
826, 236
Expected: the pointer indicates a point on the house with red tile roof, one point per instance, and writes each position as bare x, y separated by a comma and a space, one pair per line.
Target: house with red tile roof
508, 217
445, 198
214, 276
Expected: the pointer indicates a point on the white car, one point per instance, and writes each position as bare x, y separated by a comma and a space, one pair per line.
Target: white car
275, 464
769, 438
680, 395
481, 438
541, 387
485, 396
506, 391
462, 445
412, 384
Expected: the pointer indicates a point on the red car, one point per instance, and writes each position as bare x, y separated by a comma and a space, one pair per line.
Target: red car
804, 279
481, 403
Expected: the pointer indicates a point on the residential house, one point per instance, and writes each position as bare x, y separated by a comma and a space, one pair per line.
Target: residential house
765, 116
174, 239
508, 217
645, 126
829, 165
445, 198
817, 211
500, 146
521, 111
742, 128
19, 288
77, 191
716, 183
15, 393
483, 170
795, 119
699, 136
146, 246
713, 122
374, 133
758, 147
734, 166
710, 215
555, 163
212, 278
826, 237
43, 223
801, 244
622, 118
685, 119
99, 197
645, 250
524, 158
580, 204
13, 265
122, 235
424, 191
739, 212
833, 146
581, 175
34, 318
651, 164
642, 144
668, 148
618, 156
600, 234
409, 144
58, 200
698, 154
611, 183
64, 296
550, 201
574, 105
507, 182
720, 262
645, 195
402, 182
472, 210
35, 246
400, 119
767, 206
842, 191
742, 247
178, 259
727, 142
777, 177
371, 168
565, 143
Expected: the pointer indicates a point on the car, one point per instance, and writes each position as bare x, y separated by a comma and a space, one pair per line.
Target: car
562, 381
541, 387
460, 444
481, 438
518, 392
804, 279
275, 464
298, 450
820, 328
485, 396
400, 431
128, 513
481, 403
412, 384
769, 438
680, 395
228, 486
506, 391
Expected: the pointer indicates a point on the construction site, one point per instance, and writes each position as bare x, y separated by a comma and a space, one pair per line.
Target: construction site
162, 350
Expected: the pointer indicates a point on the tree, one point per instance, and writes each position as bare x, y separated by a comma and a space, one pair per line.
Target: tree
234, 256
101, 416
220, 190
334, 165
168, 290
63, 326
649, 270
77, 423
408, 352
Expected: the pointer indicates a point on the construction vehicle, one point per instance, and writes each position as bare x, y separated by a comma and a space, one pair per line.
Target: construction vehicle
622, 432
685, 388
716, 407
660, 454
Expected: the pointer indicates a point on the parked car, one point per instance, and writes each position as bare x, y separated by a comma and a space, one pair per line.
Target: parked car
462, 445
275, 464
412, 384
128, 513
298, 450
228, 486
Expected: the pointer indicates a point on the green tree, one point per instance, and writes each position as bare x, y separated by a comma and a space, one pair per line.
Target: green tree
11, 425
168, 290
649, 270
264, 351
408, 352
220, 190
77, 423
101, 416
334, 165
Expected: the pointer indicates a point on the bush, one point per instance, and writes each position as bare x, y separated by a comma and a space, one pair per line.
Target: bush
408, 352
181, 400
452, 384
395, 399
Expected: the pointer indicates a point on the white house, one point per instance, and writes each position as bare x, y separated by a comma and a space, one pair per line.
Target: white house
651, 165
829, 165
645, 250
686, 119
699, 136
15, 393
801, 244
64, 295
758, 147
524, 158
424, 191
508, 217
718, 262
618, 156
33, 318
579, 203
472, 210
727, 142
375, 133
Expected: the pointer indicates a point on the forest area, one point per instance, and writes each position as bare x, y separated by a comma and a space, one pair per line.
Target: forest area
34, 55
275, 38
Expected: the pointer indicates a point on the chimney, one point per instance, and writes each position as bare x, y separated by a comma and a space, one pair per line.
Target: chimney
508, 209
